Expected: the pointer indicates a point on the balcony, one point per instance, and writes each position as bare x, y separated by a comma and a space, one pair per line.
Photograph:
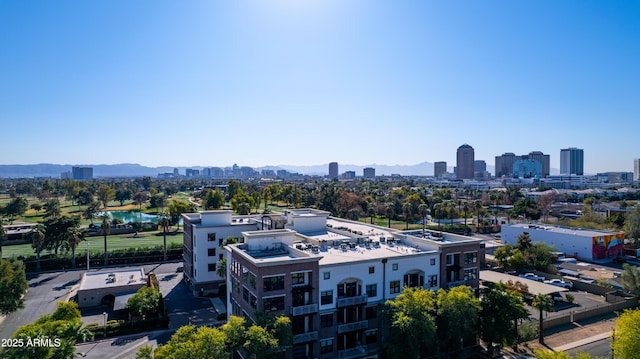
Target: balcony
350, 327
345, 302
305, 337
304, 309
352, 353
455, 284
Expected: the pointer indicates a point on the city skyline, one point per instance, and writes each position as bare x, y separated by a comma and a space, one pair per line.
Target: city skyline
308, 83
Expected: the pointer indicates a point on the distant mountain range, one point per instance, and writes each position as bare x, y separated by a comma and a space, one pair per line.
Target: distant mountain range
136, 170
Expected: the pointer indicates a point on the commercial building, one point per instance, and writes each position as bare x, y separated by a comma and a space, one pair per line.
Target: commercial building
464, 162
504, 165
369, 173
542, 158
112, 287
439, 169
333, 170
636, 169
332, 276
527, 169
82, 173
574, 242
572, 161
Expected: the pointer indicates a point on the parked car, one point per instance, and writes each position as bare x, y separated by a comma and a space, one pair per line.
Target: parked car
559, 283
532, 276
557, 297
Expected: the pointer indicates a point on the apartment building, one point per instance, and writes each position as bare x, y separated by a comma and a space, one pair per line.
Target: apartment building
332, 277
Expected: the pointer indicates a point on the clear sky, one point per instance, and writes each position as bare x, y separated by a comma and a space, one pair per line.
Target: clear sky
306, 82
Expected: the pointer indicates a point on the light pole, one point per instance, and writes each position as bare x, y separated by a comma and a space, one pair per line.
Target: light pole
87, 255
104, 316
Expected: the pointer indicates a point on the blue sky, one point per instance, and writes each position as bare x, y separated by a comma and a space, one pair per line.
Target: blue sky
212, 83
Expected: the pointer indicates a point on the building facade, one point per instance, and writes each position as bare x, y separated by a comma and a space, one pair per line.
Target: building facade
82, 173
543, 159
572, 161
574, 242
464, 162
332, 277
369, 173
439, 169
636, 169
333, 170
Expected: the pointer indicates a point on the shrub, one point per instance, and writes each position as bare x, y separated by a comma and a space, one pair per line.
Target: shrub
570, 297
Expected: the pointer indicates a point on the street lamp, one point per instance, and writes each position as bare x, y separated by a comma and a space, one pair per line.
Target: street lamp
104, 316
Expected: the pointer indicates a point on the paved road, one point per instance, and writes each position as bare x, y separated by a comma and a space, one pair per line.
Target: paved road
600, 349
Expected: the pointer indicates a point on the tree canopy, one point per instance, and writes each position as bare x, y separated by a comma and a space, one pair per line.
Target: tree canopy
13, 285
626, 341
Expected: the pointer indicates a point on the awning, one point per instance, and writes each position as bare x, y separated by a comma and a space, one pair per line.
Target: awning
121, 301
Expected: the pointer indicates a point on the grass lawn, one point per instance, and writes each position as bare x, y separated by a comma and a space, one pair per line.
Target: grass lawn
146, 239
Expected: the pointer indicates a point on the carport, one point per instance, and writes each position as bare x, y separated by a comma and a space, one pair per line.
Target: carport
533, 286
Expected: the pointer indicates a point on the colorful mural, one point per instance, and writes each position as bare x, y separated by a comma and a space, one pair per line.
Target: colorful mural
607, 246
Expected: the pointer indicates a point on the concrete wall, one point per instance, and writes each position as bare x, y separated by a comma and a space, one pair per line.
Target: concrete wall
579, 315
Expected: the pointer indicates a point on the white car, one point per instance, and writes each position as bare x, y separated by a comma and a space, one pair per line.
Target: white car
559, 283
532, 277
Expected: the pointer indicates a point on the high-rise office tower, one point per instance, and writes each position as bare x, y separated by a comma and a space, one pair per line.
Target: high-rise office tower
82, 173
504, 164
439, 169
333, 170
572, 161
369, 173
636, 169
543, 159
464, 162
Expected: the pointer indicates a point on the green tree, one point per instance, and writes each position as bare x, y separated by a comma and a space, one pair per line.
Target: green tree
389, 212
16, 207
543, 303
146, 302
13, 285
3, 236
37, 240
122, 195
73, 236
177, 207
524, 242
632, 225
106, 194
631, 278
501, 309
91, 210
458, 315
626, 340
234, 329
213, 199
407, 213
221, 268
105, 230
164, 223
548, 354
56, 229
52, 208
139, 198
412, 333
259, 342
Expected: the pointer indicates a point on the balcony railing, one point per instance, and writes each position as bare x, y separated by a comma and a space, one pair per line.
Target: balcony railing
456, 283
345, 302
350, 327
305, 337
352, 353
304, 309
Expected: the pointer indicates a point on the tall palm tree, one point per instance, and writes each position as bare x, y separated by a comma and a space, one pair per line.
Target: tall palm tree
36, 237
390, 209
406, 211
73, 236
465, 209
423, 209
105, 230
478, 206
221, 268
3, 236
543, 303
164, 223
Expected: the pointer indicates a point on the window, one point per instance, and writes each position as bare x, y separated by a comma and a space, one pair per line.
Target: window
326, 345
326, 297
212, 267
220, 256
211, 252
372, 270
372, 290
326, 320
394, 287
273, 283
297, 278
245, 294
413, 280
220, 242
372, 312
449, 259
433, 281
470, 257
211, 237
327, 275
471, 273
394, 266
371, 336
432, 261
252, 280
273, 304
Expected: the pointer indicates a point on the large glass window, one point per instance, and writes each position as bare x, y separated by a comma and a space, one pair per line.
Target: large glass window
273, 304
326, 297
413, 280
470, 257
273, 283
433, 281
372, 290
211, 237
470, 273
326, 320
297, 278
394, 287
211, 252
450, 259
252, 280
211, 267
326, 345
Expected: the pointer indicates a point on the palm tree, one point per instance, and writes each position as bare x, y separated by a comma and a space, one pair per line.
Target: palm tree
105, 230
164, 223
3, 236
371, 212
221, 268
406, 211
465, 209
390, 209
36, 237
478, 206
423, 209
544, 303
73, 236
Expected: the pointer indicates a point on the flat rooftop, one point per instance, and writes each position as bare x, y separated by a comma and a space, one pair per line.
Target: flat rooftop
568, 230
114, 278
534, 286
